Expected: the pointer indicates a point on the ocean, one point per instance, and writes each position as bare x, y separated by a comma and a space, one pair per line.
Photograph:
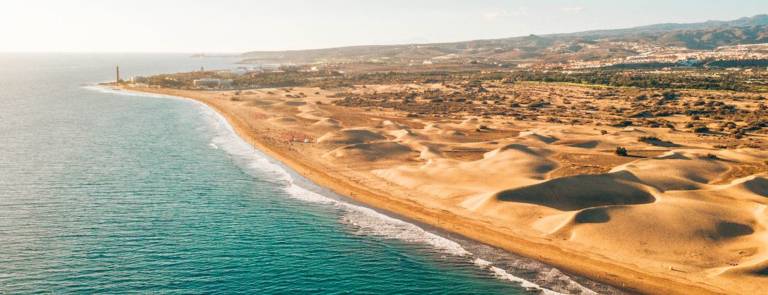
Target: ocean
110, 192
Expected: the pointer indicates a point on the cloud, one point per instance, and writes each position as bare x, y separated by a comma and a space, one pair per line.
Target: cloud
571, 9
501, 13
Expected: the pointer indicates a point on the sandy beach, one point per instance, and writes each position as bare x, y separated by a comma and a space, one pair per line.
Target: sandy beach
677, 216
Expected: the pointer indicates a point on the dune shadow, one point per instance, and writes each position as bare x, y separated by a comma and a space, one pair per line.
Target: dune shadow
762, 272
592, 215
350, 136
580, 192
518, 147
661, 143
731, 229
542, 138
295, 103
758, 186
589, 144
374, 151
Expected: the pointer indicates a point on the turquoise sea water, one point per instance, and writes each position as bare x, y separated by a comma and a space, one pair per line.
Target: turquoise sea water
112, 193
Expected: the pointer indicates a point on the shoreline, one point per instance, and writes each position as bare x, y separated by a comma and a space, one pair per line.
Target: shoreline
595, 268
449, 242
444, 241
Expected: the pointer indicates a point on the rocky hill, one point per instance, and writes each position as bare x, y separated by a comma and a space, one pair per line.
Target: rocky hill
590, 45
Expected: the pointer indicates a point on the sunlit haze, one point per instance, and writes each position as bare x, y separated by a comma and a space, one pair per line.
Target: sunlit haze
237, 26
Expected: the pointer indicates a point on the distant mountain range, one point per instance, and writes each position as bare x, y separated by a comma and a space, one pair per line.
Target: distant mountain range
588, 45
757, 20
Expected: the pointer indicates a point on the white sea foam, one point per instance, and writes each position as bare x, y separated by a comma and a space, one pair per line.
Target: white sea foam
110, 90
481, 262
555, 275
502, 274
366, 221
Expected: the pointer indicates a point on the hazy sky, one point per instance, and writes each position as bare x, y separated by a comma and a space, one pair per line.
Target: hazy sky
237, 26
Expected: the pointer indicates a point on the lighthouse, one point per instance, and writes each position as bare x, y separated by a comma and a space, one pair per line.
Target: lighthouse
117, 75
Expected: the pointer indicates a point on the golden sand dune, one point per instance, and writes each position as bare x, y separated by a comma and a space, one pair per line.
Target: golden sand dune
676, 215
372, 152
350, 136
538, 137
389, 125
284, 120
581, 191
327, 123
